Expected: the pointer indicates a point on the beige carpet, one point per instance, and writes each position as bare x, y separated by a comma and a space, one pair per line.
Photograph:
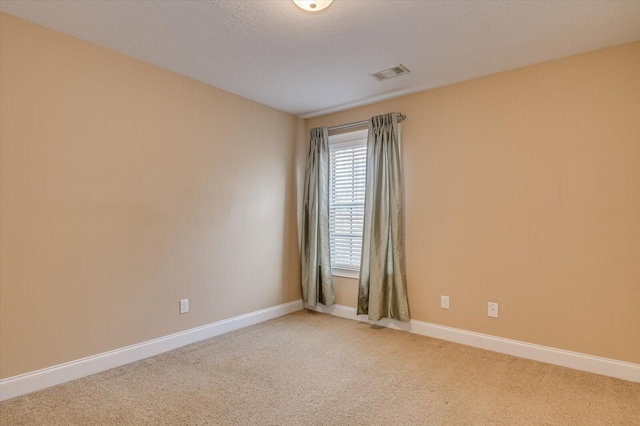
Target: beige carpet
315, 369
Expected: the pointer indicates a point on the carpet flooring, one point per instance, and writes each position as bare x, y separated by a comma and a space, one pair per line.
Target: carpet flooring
308, 368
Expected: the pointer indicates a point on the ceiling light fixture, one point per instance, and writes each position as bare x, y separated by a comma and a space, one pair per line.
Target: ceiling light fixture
313, 6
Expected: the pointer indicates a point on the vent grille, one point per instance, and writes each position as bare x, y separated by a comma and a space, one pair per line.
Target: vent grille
390, 72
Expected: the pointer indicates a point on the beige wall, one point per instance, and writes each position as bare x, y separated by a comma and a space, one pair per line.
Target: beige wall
523, 188
124, 188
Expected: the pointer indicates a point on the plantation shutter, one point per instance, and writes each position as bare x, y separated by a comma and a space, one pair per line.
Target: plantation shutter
346, 202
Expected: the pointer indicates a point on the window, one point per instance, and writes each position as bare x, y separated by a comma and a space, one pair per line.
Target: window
348, 159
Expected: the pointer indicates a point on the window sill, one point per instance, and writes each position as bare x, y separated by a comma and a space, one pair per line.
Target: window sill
346, 273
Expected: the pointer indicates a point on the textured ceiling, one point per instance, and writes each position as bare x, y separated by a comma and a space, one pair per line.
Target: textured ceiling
311, 64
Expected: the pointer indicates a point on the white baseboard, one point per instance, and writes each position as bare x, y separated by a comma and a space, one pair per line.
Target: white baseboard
578, 361
51, 376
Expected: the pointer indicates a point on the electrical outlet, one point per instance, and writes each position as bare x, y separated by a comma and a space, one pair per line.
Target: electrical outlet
184, 306
444, 302
493, 310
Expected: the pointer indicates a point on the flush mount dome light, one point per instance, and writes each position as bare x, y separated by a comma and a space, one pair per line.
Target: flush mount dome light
313, 6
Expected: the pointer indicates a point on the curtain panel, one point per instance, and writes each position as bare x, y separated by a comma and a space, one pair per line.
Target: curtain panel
315, 256
382, 291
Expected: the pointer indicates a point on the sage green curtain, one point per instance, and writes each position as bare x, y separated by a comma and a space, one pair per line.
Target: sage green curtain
382, 289
315, 256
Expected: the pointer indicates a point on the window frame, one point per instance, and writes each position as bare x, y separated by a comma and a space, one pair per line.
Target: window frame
351, 139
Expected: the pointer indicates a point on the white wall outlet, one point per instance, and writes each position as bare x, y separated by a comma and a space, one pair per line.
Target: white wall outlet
184, 306
444, 302
493, 310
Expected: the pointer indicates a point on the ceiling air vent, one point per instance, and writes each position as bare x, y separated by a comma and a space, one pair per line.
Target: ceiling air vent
390, 72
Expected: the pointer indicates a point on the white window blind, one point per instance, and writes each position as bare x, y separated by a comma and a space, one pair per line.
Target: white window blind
348, 156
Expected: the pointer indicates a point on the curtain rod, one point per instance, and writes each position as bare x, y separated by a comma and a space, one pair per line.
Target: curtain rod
362, 123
